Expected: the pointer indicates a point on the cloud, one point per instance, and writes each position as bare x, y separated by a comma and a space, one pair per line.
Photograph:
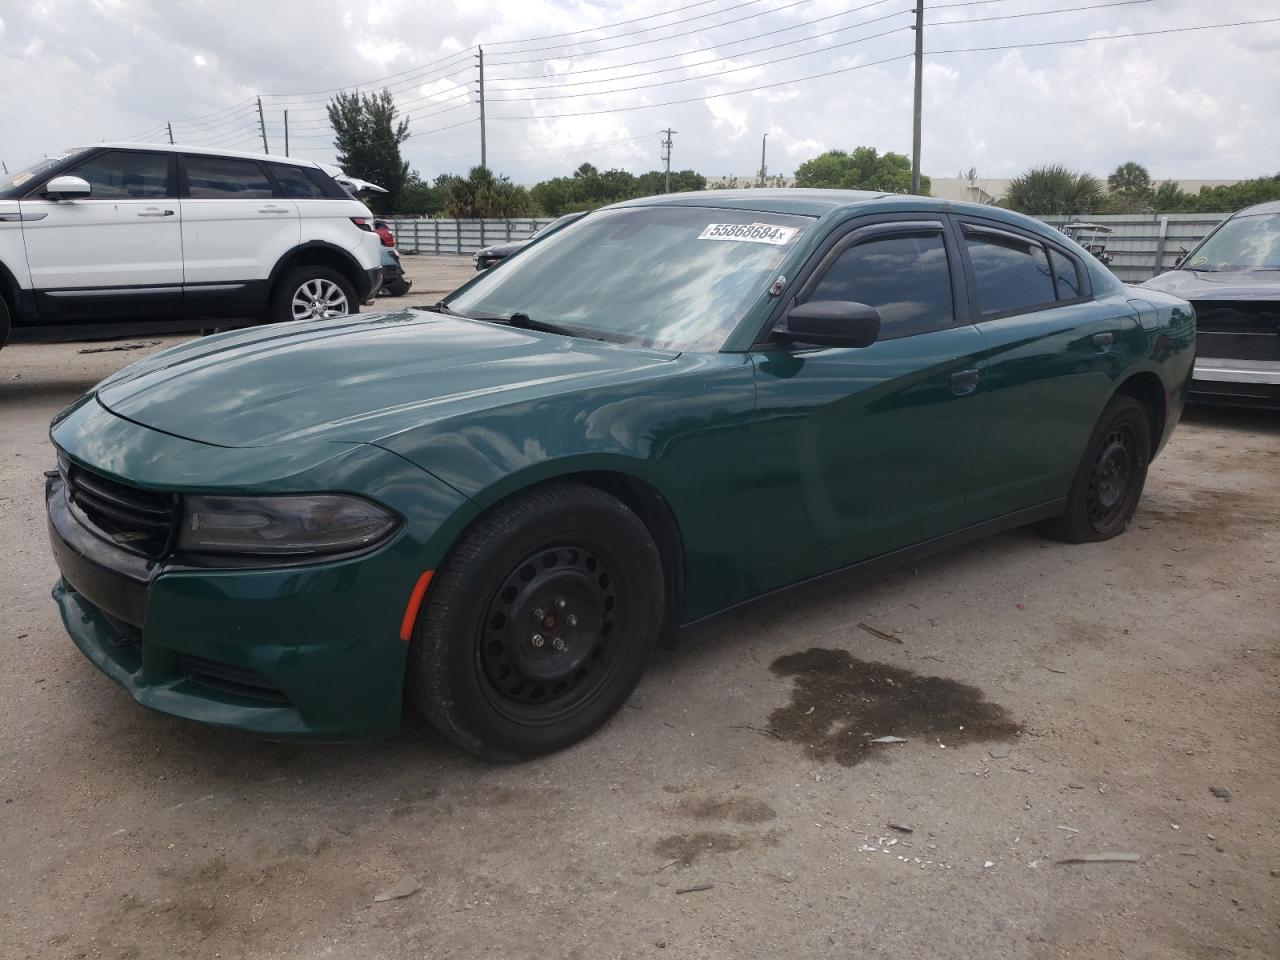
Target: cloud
1193, 105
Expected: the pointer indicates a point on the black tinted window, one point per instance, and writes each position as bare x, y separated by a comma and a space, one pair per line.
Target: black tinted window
906, 278
1064, 271
1011, 274
217, 178
296, 183
120, 176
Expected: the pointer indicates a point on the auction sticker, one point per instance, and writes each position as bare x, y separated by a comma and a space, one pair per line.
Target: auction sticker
748, 233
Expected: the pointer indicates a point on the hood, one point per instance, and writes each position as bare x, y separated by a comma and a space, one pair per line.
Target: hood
503, 249
355, 381
1218, 285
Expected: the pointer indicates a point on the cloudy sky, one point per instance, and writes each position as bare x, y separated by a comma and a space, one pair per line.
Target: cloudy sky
594, 80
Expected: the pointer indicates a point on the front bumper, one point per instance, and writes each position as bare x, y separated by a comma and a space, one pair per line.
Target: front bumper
1243, 382
308, 652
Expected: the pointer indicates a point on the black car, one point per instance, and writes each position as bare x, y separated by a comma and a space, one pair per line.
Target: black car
1232, 278
495, 254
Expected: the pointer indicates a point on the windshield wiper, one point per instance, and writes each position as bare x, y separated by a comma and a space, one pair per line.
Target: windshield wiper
526, 322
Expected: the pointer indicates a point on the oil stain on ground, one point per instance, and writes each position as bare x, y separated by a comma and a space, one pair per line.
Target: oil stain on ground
840, 703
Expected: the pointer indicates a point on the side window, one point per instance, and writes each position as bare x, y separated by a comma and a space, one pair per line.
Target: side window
220, 178
296, 183
120, 175
1010, 273
1065, 274
908, 279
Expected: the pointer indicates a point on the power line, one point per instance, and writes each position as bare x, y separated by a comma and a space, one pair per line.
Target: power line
666, 83
642, 43
608, 26
713, 47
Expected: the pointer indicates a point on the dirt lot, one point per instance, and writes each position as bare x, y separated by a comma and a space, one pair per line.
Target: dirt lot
1057, 701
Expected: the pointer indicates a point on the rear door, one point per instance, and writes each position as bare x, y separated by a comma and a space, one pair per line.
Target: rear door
116, 252
236, 225
866, 450
1052, 354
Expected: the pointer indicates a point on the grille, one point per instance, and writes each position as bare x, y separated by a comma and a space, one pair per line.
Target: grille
140, 521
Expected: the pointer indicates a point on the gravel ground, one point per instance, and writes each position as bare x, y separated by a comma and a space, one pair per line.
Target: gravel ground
1102, 690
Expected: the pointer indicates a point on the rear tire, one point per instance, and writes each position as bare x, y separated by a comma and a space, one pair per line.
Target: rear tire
313, 293
539, 625
1109, 480
6, 323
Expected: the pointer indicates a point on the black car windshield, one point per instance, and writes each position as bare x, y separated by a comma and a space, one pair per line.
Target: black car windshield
1243, 243
668, 277
26, 176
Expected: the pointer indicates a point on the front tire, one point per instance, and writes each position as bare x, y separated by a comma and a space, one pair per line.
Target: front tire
313, 293
539, 625
1109, 480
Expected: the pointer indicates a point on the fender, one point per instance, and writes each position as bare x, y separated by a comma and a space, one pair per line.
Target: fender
355, 272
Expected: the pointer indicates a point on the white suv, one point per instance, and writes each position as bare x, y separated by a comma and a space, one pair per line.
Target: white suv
149, 238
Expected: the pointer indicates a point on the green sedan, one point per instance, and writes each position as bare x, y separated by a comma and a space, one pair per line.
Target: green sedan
495, 509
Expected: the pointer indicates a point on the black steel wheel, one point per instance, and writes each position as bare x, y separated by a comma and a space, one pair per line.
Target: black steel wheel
514, 659
1109, 481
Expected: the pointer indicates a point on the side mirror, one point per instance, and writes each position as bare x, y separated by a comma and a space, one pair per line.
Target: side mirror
66, 188
832, 323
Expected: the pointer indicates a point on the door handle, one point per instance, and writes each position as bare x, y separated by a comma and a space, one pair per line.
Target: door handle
273, 209
155, 212
1103, 341
964, 382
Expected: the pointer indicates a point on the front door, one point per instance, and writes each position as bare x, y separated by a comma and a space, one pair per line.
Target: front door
862, 451
116, 252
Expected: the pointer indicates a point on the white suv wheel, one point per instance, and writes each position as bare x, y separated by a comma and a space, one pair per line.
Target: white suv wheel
320, 299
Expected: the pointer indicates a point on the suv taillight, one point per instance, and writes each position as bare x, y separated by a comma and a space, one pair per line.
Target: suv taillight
363, 224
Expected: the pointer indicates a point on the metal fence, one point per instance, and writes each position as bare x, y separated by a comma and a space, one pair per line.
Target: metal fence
1145, 244
1141, 245
460, 237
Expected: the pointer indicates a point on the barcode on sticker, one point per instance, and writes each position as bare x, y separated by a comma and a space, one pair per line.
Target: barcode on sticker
748, 233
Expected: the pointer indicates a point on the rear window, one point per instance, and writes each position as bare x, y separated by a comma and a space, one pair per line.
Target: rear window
221, 178
295, 182
1010, 273
1065, 275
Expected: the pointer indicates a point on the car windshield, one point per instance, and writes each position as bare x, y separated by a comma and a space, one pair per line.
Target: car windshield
23, 177
555, 224
673, 278
1242, 243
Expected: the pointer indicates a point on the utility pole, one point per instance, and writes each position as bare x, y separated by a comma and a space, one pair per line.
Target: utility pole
764, 169
915, 118
262, 125
170, 126
666, 158
483, 152
286, 133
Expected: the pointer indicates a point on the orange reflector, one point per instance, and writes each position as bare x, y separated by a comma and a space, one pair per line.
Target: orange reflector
415, 601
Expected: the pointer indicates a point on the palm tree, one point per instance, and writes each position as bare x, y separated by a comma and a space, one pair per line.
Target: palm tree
1054, 190
1131, 178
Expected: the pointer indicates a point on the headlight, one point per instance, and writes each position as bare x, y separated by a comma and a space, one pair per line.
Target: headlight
282, 525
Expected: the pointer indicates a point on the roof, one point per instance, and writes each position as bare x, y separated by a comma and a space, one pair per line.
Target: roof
1271, 206
801, 201
205, 151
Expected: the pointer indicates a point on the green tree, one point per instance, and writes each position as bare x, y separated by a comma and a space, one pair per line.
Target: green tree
1054, 190
1129, 189
863, 169
367, 137
482, 194
1171, 198
1129, 177
1237, 196
419, 198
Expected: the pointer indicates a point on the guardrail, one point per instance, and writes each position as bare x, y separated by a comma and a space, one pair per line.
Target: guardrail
1141, 245
460, 237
